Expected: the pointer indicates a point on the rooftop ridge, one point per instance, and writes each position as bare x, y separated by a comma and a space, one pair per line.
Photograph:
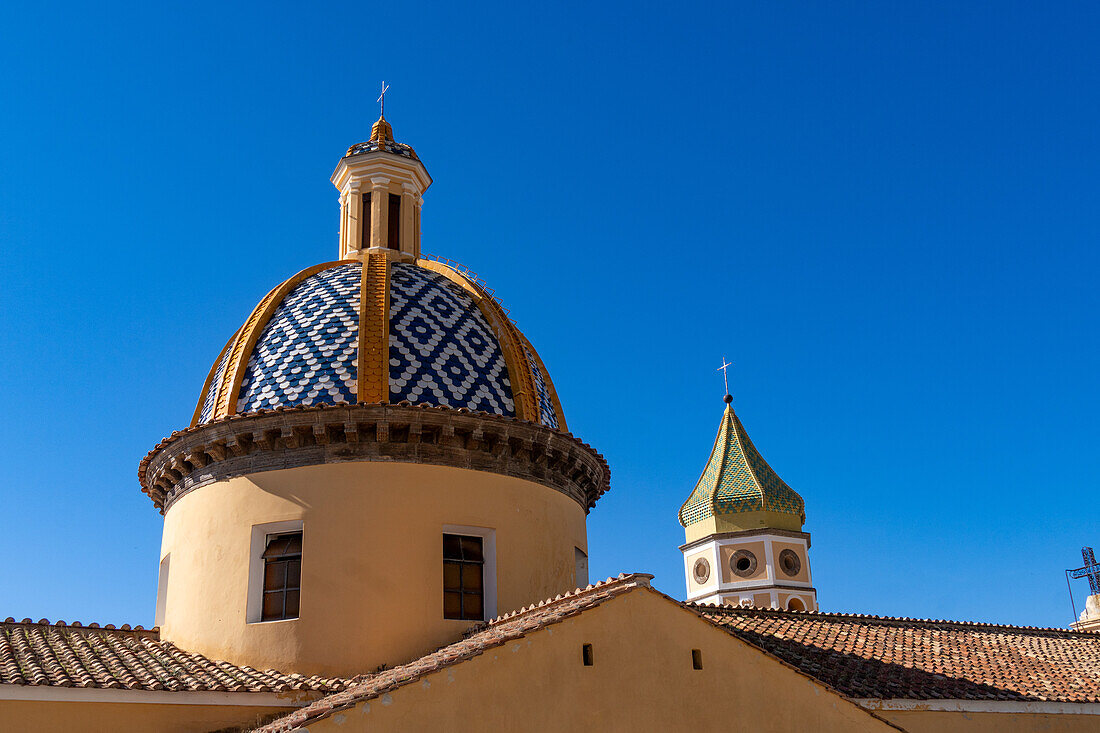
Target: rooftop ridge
138, 629
626, 580
885, 620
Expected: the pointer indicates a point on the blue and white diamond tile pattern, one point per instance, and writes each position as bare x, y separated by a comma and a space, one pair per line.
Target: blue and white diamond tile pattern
307, 353
442, 350
547, 416
212, 393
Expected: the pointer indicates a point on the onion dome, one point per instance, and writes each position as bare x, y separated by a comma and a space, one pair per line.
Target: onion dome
738, 489
377, 329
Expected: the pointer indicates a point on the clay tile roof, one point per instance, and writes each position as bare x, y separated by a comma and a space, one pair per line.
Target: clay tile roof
72, 655
889, 658
480, 639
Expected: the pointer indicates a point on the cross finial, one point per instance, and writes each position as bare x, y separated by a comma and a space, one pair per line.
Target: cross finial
382, 100
725, 379
1091, 570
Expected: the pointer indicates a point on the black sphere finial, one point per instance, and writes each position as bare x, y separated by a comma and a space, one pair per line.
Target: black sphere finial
728, 399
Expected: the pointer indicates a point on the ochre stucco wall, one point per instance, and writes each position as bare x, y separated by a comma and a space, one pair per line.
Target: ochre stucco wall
916, 721
88, 717
641, 680
372, 578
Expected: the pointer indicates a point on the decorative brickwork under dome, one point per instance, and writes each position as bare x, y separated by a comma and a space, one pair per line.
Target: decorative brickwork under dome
379, 330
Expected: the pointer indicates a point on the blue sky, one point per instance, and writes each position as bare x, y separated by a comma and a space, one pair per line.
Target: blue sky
884, 214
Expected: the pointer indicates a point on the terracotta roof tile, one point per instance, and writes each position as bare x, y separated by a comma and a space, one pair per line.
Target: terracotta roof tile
879, 657
480, 639
72, 655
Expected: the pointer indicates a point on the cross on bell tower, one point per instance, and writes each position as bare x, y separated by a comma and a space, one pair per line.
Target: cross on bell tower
725, 378
744, 527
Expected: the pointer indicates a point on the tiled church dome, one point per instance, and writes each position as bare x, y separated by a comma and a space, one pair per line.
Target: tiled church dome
341, 333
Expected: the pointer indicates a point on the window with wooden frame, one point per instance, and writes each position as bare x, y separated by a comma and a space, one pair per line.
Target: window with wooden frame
282, 576
463, 577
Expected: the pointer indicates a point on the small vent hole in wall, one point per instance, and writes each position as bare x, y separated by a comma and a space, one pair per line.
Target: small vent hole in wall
696, 659
586, 654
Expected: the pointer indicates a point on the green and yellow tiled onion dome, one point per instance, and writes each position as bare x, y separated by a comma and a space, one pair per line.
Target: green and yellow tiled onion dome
738, 489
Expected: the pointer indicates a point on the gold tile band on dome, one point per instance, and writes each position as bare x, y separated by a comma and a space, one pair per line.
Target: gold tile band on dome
519, 368
549, 383
230, 385
373, 376
210, 379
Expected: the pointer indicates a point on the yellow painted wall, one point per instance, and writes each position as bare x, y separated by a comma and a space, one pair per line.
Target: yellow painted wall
641, 680
742, 521
372, 578
916, 721
27, 716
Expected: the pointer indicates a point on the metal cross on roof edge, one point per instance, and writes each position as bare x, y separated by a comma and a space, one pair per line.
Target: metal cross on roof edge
1090, 570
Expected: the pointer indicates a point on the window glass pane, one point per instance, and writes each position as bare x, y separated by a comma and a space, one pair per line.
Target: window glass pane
274, 575
283, 544
294, 574
292, 598
471, 548
452, 605
275, 546
471, 577
452, 572
452, 547
471, 606
273, 606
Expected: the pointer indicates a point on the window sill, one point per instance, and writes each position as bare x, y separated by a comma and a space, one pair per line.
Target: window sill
272, 621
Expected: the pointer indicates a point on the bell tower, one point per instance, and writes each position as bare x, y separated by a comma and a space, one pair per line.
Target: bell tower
743, 526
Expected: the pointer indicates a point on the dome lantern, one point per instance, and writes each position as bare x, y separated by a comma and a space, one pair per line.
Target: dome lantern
381, 184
